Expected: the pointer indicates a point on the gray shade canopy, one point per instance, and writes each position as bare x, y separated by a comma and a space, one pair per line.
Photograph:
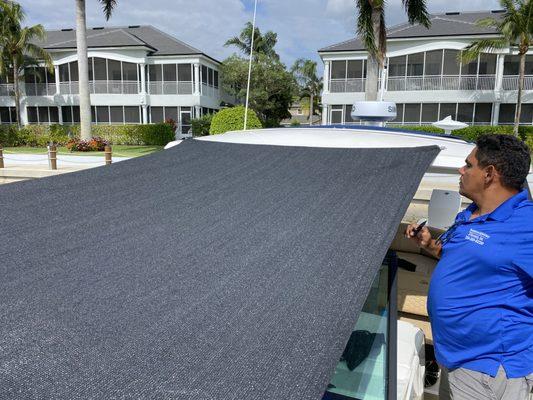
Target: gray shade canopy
207, 271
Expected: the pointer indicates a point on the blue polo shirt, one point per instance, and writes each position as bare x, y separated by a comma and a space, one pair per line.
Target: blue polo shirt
480, 299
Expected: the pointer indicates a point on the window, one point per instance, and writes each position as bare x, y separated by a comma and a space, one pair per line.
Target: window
483, 114
114, 70
100, 69
487, 64
71, 114
470, 68
465, 112
204, 75
169, 73
529, 65
66, 113
155, 73
433, 62
511, 65
6, 113
171, 113
412, 113
32, 115
102, 114
368, 378
336, 115
129, 71
430, 112
526, 114
451, 65
215, 83
506, 115
338, 69
74, 73
399, 114
116, 114
397, 66
415, 64
156, 115
63, 73
447, 109
43, 114
184, 73
54, 115
76, 114
132, 115
91, 75
355, 69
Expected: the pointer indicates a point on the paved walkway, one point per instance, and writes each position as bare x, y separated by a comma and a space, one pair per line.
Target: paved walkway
19, 167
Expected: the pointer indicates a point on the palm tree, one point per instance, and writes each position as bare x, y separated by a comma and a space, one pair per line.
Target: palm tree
515, 28
263, 44
373, 32
83, 63
17, 47
305, 73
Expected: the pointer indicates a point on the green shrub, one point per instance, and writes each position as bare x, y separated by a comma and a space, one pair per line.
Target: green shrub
295, 122
41, 135
471, 133
232, 119
201, 125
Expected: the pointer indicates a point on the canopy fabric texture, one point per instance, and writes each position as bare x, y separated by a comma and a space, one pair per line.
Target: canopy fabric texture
209, 271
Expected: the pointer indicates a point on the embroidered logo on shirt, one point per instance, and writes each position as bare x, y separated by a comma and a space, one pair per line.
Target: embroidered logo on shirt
477, 237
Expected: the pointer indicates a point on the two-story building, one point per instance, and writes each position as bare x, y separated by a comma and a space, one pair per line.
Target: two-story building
425, 79
137, 75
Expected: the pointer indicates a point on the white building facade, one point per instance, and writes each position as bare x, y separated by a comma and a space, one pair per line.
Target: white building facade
424, 78
137, 75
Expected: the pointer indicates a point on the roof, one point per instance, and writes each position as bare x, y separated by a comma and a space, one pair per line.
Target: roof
445, 24
158, 42
239, 279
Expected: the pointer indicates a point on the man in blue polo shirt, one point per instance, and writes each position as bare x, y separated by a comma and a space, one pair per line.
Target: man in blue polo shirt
480, 299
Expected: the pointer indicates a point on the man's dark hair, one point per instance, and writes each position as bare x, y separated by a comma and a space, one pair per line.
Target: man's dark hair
509, 155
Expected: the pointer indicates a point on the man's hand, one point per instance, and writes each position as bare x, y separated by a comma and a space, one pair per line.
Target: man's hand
423, 239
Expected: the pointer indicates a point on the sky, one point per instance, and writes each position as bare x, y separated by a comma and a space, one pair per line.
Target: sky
303, 26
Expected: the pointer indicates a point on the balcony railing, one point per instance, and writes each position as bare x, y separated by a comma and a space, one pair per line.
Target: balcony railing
209, 91
181, 87
39, 89
7, 89
445, 82
101, 87
347, 85
510, 82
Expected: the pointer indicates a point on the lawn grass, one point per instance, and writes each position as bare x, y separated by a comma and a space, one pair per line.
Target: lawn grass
118, 151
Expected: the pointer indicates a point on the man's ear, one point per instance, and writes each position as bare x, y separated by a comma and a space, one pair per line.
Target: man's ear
490, 174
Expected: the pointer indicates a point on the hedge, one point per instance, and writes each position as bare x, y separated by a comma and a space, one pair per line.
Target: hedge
232, 119
41, 135
471, 133
201, 125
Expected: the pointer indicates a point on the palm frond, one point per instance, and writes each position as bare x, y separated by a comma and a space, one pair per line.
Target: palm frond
487, 23
365, 28
473, 50
417, 12
108, 6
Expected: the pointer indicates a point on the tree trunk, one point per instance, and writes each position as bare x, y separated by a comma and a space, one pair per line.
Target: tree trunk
372, 65
83, 71
518, 111
16, 88
311, 100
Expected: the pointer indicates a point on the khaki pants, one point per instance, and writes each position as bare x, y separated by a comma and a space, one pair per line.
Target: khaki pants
465, 384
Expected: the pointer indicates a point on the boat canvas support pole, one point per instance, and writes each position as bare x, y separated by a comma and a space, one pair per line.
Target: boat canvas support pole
250, 68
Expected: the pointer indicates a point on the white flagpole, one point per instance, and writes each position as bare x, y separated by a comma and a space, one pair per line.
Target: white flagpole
250, 68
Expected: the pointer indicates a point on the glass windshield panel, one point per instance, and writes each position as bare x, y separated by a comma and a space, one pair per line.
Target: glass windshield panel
362, 369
